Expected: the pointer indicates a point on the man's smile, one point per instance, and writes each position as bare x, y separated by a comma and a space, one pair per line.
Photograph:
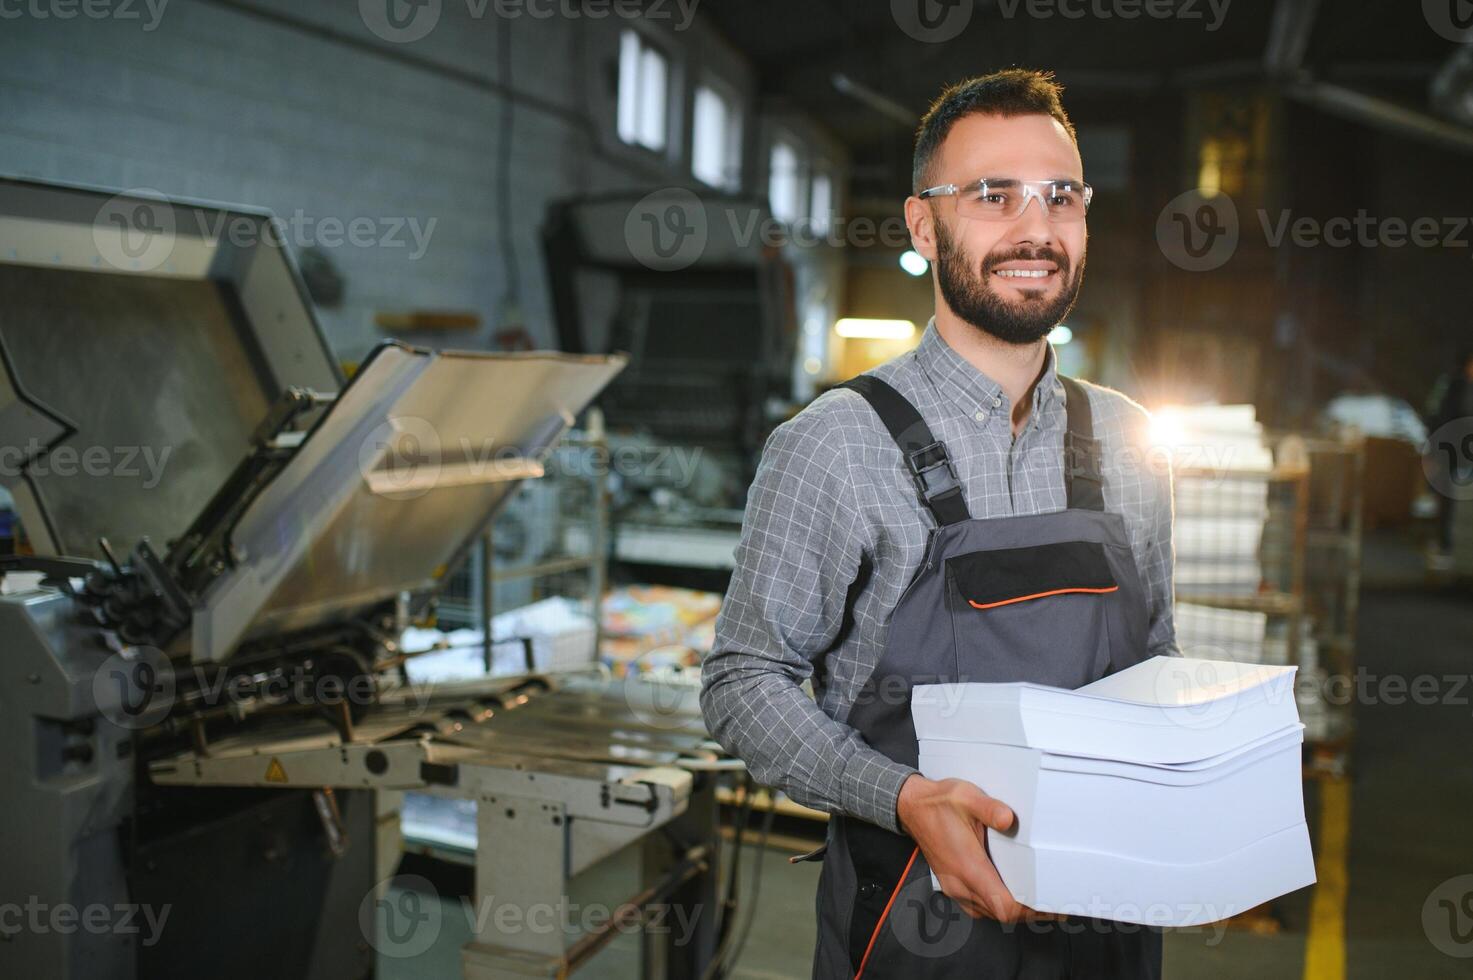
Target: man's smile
1026, 273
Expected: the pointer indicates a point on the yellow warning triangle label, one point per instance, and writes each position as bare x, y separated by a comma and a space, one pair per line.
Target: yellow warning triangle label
274, 772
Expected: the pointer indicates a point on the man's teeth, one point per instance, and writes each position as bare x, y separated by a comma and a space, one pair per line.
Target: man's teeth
1023, 273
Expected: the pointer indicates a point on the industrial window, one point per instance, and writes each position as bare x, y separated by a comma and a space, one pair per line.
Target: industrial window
821, 203
716, 139
643, 79
784, 192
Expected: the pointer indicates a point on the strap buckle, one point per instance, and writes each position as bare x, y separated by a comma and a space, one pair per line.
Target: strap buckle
931, 468
1082, 458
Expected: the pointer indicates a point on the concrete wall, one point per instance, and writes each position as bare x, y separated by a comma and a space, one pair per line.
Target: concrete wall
303, 108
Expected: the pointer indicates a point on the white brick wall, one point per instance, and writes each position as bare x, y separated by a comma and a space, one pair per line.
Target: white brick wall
298, 106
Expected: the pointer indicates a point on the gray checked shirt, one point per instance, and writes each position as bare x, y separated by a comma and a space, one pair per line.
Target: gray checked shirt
832, 496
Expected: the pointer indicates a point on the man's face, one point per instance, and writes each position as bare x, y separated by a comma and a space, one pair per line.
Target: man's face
1014, 279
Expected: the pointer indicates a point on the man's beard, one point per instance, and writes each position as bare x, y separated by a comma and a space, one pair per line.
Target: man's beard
970, 295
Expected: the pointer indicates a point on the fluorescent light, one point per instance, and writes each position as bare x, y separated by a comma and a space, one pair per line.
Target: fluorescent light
913, 262
1060, 335
861, 328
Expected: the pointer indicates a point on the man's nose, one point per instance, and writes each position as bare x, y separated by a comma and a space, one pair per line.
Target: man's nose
1033, 226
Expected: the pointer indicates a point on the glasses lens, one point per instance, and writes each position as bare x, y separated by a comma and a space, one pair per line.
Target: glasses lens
1066, 201
1005, 199
992, 199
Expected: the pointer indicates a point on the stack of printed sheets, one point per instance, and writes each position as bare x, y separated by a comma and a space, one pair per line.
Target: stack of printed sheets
1166, 794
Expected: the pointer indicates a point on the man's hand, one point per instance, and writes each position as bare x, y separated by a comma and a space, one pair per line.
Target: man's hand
948, 819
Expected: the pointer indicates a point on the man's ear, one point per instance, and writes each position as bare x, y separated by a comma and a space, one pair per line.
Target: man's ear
920, 218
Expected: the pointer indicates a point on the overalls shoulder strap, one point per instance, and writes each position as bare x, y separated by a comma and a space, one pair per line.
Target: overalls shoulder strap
931, 467
1083, 475
925, 456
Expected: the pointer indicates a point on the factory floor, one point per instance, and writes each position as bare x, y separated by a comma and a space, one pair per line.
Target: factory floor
1389, 839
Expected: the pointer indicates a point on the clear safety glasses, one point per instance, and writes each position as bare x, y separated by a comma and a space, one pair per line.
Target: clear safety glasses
1005, 198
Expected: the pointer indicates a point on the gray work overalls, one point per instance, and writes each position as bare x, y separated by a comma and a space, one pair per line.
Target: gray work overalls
1049, 598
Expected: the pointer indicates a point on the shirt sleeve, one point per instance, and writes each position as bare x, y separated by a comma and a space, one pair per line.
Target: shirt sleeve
803, 544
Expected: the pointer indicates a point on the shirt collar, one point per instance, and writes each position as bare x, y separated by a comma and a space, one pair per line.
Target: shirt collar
972, 391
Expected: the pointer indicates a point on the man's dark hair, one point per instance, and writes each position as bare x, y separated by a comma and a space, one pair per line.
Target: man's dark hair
1013, 92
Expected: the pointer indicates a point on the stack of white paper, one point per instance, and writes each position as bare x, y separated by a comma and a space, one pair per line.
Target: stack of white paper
1166, 794
1214, 437
1221, 497
1211, 633
558, 630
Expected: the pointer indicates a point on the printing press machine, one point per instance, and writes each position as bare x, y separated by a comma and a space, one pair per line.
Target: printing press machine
203, 687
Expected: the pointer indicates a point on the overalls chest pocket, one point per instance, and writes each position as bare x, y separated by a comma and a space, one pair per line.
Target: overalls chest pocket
1039, 613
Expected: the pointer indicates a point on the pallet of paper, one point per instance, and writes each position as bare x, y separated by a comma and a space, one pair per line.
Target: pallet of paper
1167, 794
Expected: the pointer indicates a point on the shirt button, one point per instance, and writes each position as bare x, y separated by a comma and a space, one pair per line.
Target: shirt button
996, 400
980, 416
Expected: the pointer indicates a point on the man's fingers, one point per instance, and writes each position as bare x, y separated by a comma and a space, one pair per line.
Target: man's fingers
1006, 907
994, 813
983, 881
974, 881
982, 895
1022, 913
974, 901
983, 900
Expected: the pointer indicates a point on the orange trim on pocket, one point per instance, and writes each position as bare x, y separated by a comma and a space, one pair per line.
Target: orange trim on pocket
1036, 595
886, 914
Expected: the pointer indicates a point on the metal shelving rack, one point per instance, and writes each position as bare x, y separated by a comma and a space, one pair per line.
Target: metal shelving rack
1333, 575
1310, 555
1281, 593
